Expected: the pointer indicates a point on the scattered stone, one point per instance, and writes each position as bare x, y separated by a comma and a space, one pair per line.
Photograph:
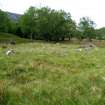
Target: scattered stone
4, 46
12, 42
92, 45
88, 45
95, 89
87, 49
79, 49
10, 52
57, 44
103, 78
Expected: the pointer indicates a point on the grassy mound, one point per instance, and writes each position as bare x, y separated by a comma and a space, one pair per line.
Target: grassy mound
53, 74
6, 38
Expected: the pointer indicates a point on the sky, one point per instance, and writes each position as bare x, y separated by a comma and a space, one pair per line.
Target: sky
78, 8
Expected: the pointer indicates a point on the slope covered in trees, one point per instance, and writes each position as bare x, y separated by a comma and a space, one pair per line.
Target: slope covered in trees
48, 24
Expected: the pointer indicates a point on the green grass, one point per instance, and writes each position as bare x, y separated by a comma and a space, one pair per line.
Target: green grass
52, 74
6, 38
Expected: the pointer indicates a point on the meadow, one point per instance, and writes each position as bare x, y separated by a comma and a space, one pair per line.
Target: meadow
42, 73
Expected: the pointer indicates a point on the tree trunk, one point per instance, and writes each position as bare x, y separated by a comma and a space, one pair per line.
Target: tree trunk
90, 40
62, 38
32, 36
70, 38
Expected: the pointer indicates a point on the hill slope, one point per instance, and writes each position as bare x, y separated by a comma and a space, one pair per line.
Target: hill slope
14, 16
6, 38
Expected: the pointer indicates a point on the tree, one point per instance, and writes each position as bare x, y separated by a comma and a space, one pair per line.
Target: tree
86, 26
55, 25
44, 23
100, 33
48, 24
28, 22
5, 23
78, 34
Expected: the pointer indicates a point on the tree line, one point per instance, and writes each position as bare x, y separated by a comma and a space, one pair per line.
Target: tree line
50, 25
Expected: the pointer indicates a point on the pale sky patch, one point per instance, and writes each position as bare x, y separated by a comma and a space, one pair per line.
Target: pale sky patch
78, 8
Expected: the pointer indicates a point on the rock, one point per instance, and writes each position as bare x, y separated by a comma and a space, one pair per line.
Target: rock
92, 45
13, 42
10, 52
87, 45
57, 44
4, 46
79, 49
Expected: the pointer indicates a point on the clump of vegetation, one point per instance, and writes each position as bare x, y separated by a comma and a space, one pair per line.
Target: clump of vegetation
4, 96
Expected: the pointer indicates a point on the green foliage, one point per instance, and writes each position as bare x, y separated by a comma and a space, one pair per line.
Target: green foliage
5, 23
89, 33
86, 26
48, 24
100, 33
28, 22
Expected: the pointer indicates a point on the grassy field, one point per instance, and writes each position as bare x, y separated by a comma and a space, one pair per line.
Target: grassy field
52, 74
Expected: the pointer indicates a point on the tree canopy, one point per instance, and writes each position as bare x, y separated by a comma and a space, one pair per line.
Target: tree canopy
87, 28
5, 23
48, 24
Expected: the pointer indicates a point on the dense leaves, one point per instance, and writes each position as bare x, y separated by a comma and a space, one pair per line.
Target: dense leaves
100, 33
45, 23
50, 25
4, 22
86, 27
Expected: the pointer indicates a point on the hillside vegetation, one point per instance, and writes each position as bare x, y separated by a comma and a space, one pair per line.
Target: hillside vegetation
7, 38
52, 74
49, 25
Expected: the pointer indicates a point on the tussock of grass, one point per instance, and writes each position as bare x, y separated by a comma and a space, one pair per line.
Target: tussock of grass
53, 74
4, 96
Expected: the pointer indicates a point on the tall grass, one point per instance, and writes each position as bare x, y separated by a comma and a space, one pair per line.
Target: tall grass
52, 74
4, 96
